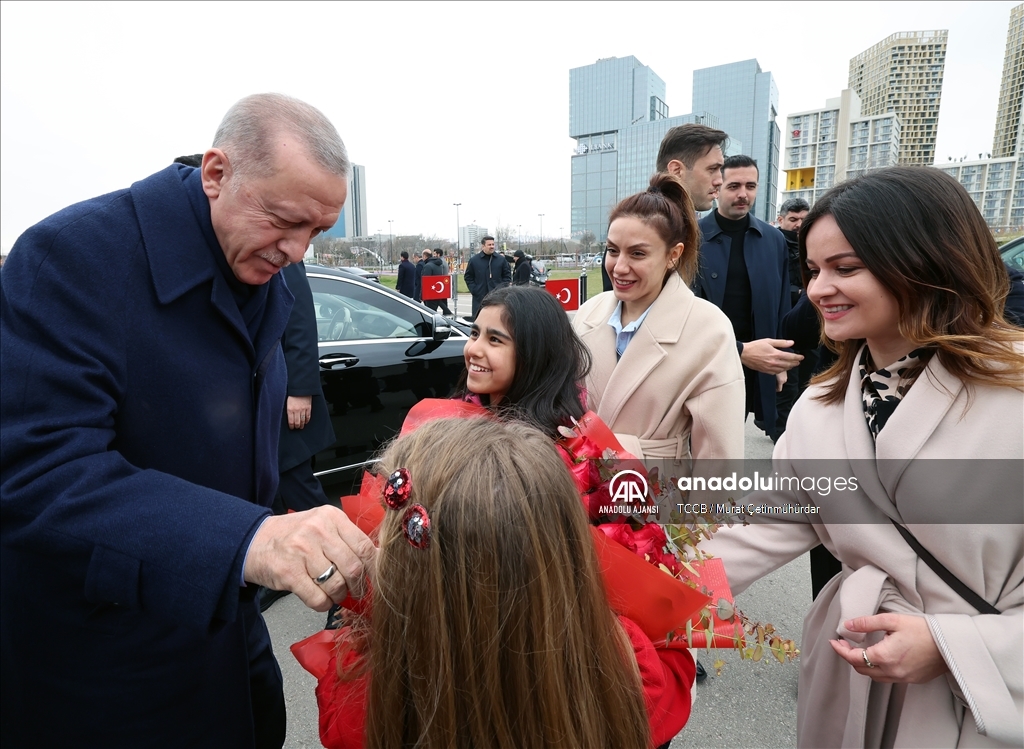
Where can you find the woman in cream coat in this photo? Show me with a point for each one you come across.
(672, 379)
(929, 377)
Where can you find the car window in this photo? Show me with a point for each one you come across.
(350, 311)
(1014, 255)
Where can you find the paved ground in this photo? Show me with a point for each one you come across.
(749, 705)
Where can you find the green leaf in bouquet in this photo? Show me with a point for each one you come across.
(718, 665)
(758, 653)
(726, 610)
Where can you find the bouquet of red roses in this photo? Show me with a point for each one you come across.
(594, 456)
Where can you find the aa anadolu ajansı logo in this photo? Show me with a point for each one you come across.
(628, 486)
(629, 495)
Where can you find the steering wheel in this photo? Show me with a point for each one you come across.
(339, 325)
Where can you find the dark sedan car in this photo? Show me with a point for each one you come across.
(380, 353)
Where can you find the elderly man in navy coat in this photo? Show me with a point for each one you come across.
(744, 270)
(143, 389)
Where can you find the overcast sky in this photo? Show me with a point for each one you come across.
(441, 102)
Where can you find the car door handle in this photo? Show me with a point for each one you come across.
(330, 361)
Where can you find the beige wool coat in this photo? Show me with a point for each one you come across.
(679, 383)
(980, 701)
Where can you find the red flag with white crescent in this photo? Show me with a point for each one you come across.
(436, 287)
(566, 291)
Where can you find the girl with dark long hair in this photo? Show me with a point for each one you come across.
(524, 361)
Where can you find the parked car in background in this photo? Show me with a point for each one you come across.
(366, 275)
(1013, 253)
(380, 353)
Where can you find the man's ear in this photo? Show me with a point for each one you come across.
(676, 167)
(216, 171)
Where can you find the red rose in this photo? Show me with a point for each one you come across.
(651, 541)
(621, 533)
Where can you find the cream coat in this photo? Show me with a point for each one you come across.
(679, 383)
(979, 702)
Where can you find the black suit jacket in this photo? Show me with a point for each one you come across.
(301, 355)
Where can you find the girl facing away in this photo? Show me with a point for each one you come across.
(488, 624)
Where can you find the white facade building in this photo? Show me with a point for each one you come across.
(824, 147)
(470, 236)
(996, 186)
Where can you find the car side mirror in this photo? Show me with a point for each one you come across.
(442, 328)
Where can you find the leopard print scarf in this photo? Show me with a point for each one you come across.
(883, 389)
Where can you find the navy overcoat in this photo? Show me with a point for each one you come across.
(138, 458)
(767, 259)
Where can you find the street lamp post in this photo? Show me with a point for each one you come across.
(519, 231)
(541, 234)
(391, 241)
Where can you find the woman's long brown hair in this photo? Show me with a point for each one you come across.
(499, 634)
(920, 234)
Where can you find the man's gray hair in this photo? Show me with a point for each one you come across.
(246, 132)
(794, 205)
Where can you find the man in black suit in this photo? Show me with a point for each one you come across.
(406, 277)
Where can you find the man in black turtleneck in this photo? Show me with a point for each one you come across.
(744, 271)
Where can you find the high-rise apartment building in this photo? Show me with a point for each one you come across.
(746, 102)
(903, 74)
(618, 116)
(470, 236)
(826, 146)
(1007, 141)
(996, 186)
(352, 221)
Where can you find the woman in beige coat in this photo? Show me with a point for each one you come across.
(924, 410)
(666, 375)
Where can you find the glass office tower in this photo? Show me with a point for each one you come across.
(746, 102)
(618, 116)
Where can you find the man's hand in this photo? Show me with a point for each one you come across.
(289, 551)
(780, 381)
(299, 408)
(766, 355)
(907, 654)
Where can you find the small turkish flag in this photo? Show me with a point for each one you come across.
(567, 292)
(437, 287)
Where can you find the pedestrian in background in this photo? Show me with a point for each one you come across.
(435, 266)
(418, 275)
(406, 283)
(486, 271)
(744, 271)
(522, 269)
